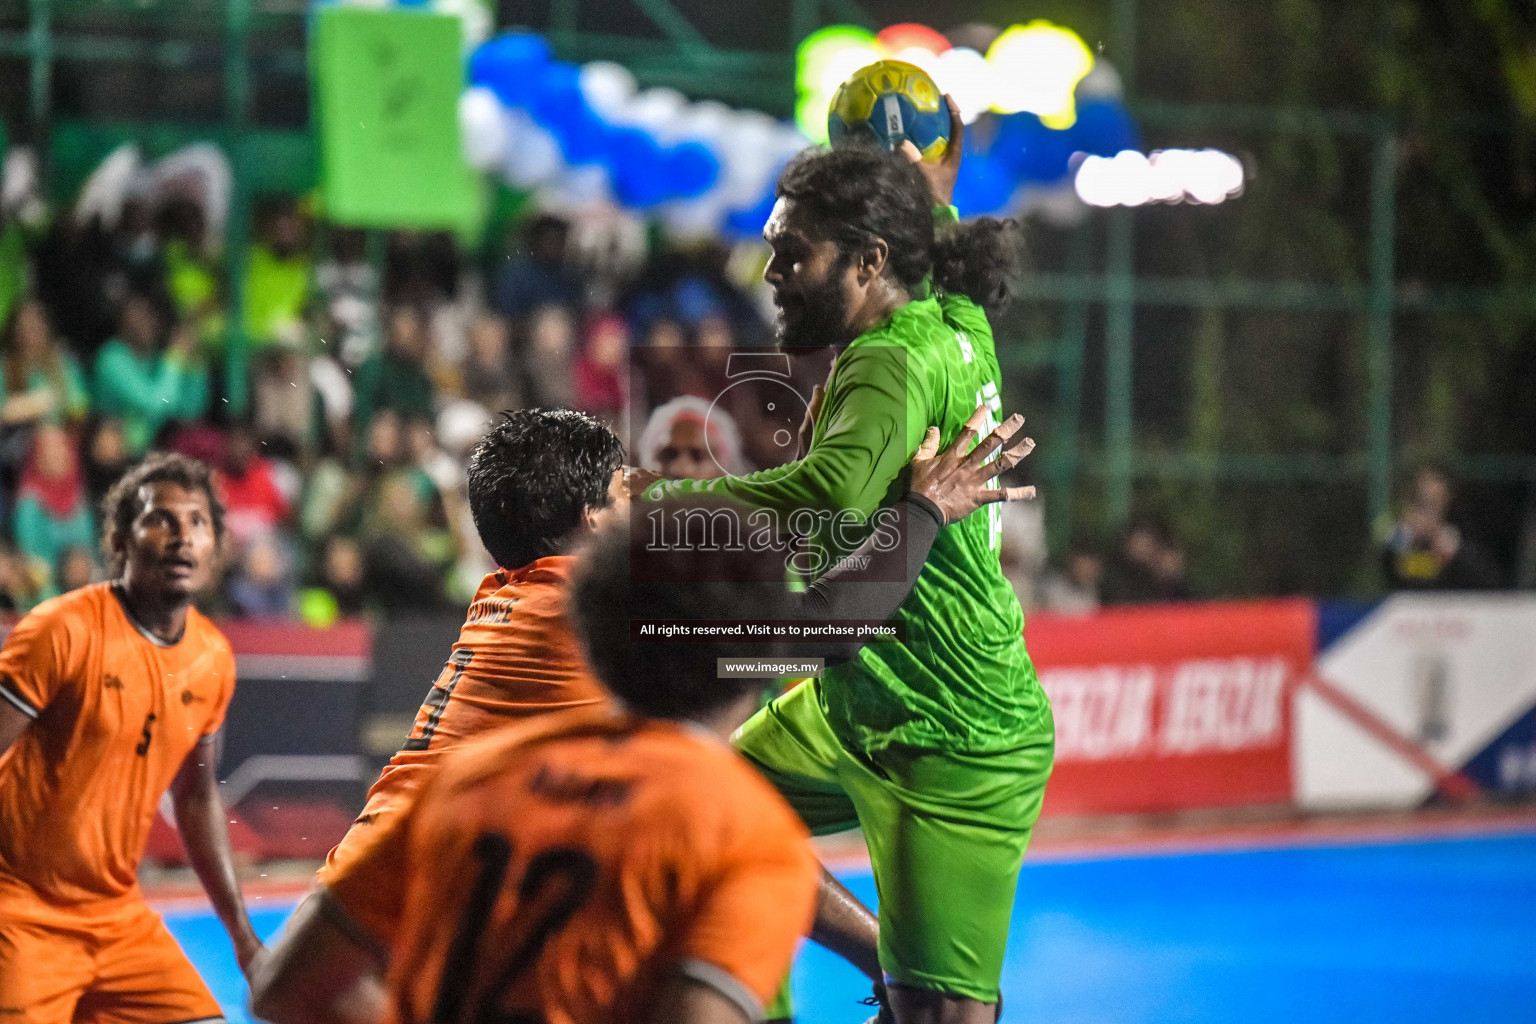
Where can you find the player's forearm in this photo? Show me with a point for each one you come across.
(200, 820)
(814, 482)
(873, 581)
(847, 927)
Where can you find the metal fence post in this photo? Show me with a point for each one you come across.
(1119, 333)
(40, 54)
(1061, 468)
(1120, 308)
(1379, 322)
(237, 90)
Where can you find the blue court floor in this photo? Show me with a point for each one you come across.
(1435, 931)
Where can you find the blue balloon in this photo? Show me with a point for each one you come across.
(557, 104)
(1031, 151)
(748, 223)
(635, 164)
(584, 137)
(1103, 128)
(690, 169)
(983, 186)
(555, 96)
(509, 65)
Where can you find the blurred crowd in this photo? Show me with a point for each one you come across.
(371, 373)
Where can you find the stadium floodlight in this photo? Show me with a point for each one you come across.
(1129, 178)
(1036, 68)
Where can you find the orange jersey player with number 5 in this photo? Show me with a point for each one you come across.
(109, 695)
(538, 481)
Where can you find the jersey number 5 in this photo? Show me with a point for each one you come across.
(143, 748)
(556, 884)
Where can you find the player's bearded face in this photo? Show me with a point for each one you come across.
(808, 276)
(816, 315)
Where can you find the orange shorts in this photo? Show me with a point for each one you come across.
(124, 969)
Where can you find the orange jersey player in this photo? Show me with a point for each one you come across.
(614, 865)
(109, 695)
(622, 864)
(538, 482)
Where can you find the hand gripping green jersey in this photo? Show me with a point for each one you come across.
(962, 680)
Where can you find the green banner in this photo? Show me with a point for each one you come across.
(387, 84)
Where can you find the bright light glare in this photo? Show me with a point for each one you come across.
(1036, 67)
(918, 57)
(1128, 178)
(842, 66)
(824, 60)
(910, 36)
(965, 75)
(821, 47)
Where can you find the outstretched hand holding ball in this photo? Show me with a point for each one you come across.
(941, 173)
(897, 106)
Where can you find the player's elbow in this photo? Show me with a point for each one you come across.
(316, 975)
(268, 988)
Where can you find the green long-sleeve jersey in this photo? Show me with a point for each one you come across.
(961, 681)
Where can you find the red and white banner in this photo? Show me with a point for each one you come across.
(1170, 708)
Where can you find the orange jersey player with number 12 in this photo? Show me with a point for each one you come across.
(109, 695)
(538, 481)
(624, 865)
(621, 864)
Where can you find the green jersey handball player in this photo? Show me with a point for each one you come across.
(939, 747)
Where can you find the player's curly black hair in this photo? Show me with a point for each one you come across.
(533, 475)
(124, 500)
(863, 193)
(625, 577)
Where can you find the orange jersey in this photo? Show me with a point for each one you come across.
(564, 869)
(115, 713)
(516, 657)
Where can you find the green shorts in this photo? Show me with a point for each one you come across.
(946, 834)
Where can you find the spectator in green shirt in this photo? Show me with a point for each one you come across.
(277, 278)
(13, 264)
(39, 380)
(52, 513)
(192, 273)
(145, 385)
(396, 378)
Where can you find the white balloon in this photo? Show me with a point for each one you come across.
(707, 121)
(482, 129)
(692, 219)
(474, 19)
(532, 153)
(608, 88)
(582, 186)
(660, 112)
(743, 179)
(788, 141)
(747, 134)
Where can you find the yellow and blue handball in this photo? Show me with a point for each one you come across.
(887, 103)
